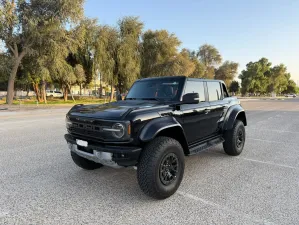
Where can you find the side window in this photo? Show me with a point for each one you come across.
(214, 91)
(196, 87)
(225, 93)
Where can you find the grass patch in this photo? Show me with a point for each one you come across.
(58, 101)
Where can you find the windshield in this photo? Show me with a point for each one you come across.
(156, 89)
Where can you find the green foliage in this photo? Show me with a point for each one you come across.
(234, 87)
(128, 56)
(158, 51)
(261, 77)
(291, 88)
(227, 72)
(106, 53)
(210, 57)
(39, 49)
(79, 73)
(26, 25)
(255, 77)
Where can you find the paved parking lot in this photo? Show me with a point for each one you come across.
(39, 183)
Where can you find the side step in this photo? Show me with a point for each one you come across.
(201, 146)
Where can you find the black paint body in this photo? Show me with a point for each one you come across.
(190, 124)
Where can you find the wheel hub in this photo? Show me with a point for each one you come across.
(240, 138)
(168, 168)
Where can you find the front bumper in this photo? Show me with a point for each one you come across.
(111, 155)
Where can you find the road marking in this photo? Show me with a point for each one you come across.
(279, 131)
(256, 139)
(31, 115)
(270, 163)
(32, 121)
(221, 207)
(258, 161)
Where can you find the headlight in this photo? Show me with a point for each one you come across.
(117, 130)
(68, 122)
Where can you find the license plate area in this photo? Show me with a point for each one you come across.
(82, 143)
(84, 149)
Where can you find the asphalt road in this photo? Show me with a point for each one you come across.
(39, 183)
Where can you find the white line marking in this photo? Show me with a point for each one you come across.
(270, 163)
(279, 131)
(231, 211)
(258, 161)
(256, 139)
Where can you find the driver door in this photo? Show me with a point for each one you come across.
(195, 116)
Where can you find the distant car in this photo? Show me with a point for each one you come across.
(56, 94)
(291, 95)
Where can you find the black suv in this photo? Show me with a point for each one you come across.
(160, 121)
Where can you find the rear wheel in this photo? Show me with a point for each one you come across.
(84, 163)
(161, 167)
(234, 139)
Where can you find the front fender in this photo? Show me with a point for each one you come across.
(232, 114)
(152, 128)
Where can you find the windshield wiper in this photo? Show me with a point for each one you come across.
(155, 99)
(131, 98)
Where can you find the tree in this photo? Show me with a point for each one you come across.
(128, 55)
(227, 72)
(86, 33)
(278, 79)
(80, 76)
(210, 57)
(158, 48)
(24, 23)
(234, 87)
(106, 55)
(199, 67)
(178, 65)
(291, 88)
(255, 77)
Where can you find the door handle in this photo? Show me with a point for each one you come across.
(207, 111)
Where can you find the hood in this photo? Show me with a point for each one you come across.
(114, 110)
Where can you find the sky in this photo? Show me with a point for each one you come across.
(242, 30)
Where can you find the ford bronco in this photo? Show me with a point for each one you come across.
(160, 121)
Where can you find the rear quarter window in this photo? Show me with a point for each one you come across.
(214, 90)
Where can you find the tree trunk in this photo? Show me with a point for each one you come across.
(65, 94)
(12, 76)
(80, 89)
(11, 82)
(101, 88)
(111, 94)
(70, 88)
(44, 91)
(37, 92)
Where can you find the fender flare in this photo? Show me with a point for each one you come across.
(231, 116)
(155, 126)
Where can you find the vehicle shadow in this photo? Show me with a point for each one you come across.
(120, 185)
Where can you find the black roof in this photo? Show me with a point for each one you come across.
(191, 79)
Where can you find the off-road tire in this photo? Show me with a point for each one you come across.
(84, 163)
(149, 167)
(231, 137)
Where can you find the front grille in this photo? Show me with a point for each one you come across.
(90, 133)
(92, 129)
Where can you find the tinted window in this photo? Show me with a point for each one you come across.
(164, 88)
(196, 87)
(214, 91)
(225, 93)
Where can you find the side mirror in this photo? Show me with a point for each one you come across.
(191, 98)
